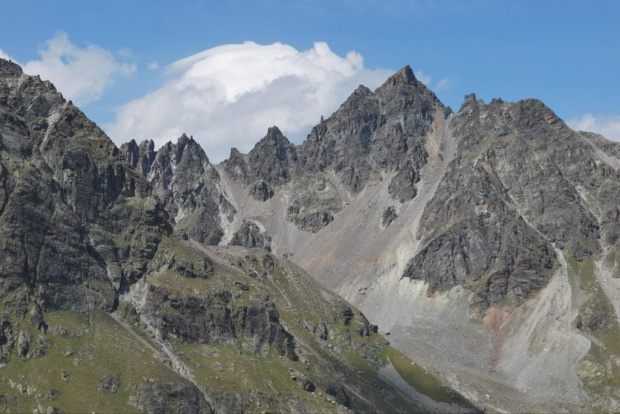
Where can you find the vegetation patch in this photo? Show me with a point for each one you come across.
(89, 353)
(596, 315)
(599, 370)
(423, 381)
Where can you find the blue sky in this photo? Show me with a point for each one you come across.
(566, 53)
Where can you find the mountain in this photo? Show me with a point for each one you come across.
(483, 244)
(115, 297)
(484, 241)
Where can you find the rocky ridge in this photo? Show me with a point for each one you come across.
(485, 242)
(110, 284)
(404, 208)
(371, 134)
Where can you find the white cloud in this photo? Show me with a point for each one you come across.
(3, 55)
(153, 65)
(229, 95)
(425, 79)
(445, 84)
(81, 74)
(606, 125)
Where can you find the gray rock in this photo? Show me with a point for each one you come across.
(161, 398)
(182, 177)
(388, 216)
(261, 191)
(250, 235)
(272, 158)
(311, 221)
(212, 318)
(302, 380)
(24, 341)
(53, 410)
(53, 394)
(236, 166)
(111, 384)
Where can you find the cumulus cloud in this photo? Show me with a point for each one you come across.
(229, 95)
(81, 74)
(606, 125)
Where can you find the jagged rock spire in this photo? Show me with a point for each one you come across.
(404, 76)
(9, 68)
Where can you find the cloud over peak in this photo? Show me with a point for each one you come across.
(606, 125)
(3, 55)
(229, 95)
(81, 74)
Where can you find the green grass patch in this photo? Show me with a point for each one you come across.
(599, 370)
(103, 349)
(175, 282)
(596, 316)
(227, 370)
(422, 381)
(181, 249)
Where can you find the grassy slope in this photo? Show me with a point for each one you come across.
(425, 383)
(104, 349)
(600, 368)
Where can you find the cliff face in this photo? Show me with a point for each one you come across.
(372, 134)
(61, 177)
(114, 296)
(181, 176)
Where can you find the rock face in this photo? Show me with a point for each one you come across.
(250, 235)
(158, 397)
(499, 211)
(474, 237)
(376, 131)
(371, 134)
(182, 177)
(111, 284)
(388, 216)
(499, 207)
(59, 174)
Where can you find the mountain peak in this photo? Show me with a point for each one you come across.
(235, 153)
(9, 68)
(274, 131)
(404, 76)
(184, 139)
(469, 99)
(275, 137)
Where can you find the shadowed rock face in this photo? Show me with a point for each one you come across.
(272, 158)
(141, 157)
(376, 131)
(60, 176)
(483, 244)
(519, 187)
(160, 397)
